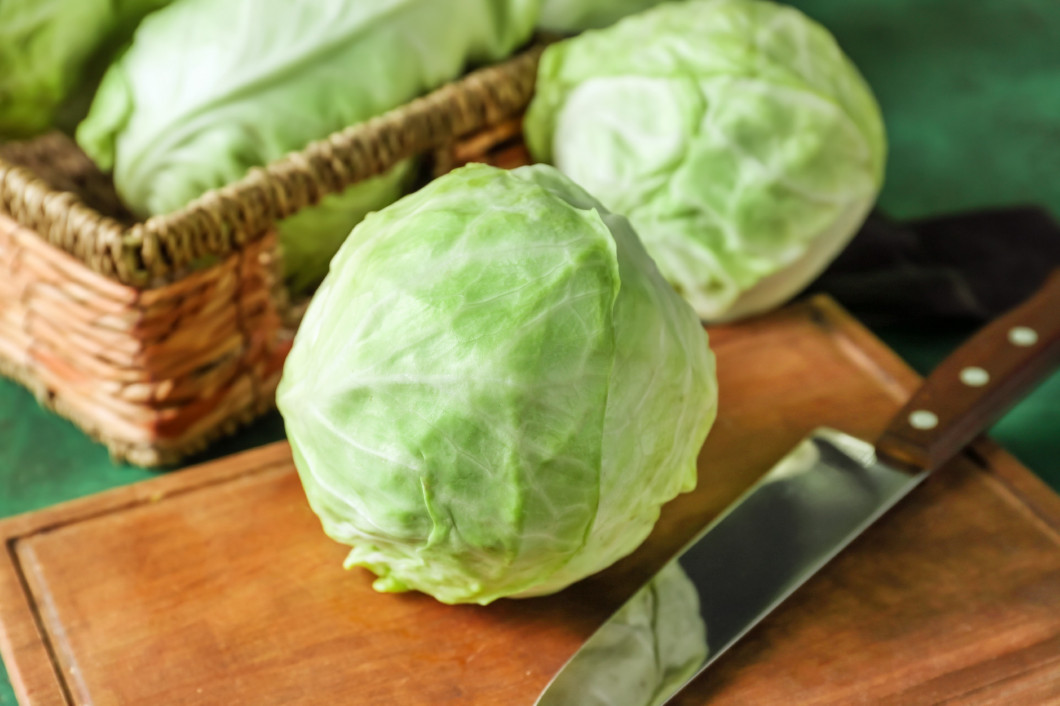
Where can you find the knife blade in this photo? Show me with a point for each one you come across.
(800, 514)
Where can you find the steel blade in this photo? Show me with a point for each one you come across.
(769, 542)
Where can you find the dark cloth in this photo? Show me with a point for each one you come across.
(960, 269)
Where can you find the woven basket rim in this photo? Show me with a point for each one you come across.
(160, 249)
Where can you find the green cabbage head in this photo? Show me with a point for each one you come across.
(211, 88)
(737, 137)
(494, 391)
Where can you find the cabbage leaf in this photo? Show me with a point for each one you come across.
(209, 89)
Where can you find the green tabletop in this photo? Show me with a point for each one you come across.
(971, 97)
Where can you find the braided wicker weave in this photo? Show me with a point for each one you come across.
(108, 322)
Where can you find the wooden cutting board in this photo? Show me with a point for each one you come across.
(215, 585)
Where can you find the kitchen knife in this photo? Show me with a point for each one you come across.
(800, 514)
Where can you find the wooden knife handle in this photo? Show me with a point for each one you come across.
(977, 383)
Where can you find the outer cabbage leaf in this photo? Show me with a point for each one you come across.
(209, 89)
(493, 391)
(52, 54)
(579, 15)
(735, 134)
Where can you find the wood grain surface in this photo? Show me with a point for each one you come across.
(215, 585)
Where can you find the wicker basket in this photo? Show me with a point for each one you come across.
(107, 321)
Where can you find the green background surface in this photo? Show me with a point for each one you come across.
(970, 92)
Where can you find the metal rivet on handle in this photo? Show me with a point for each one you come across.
(973, 376)
(923, 419)
(1022, 336)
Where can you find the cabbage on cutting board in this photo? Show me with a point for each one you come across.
(494, 391)
(209, 89)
